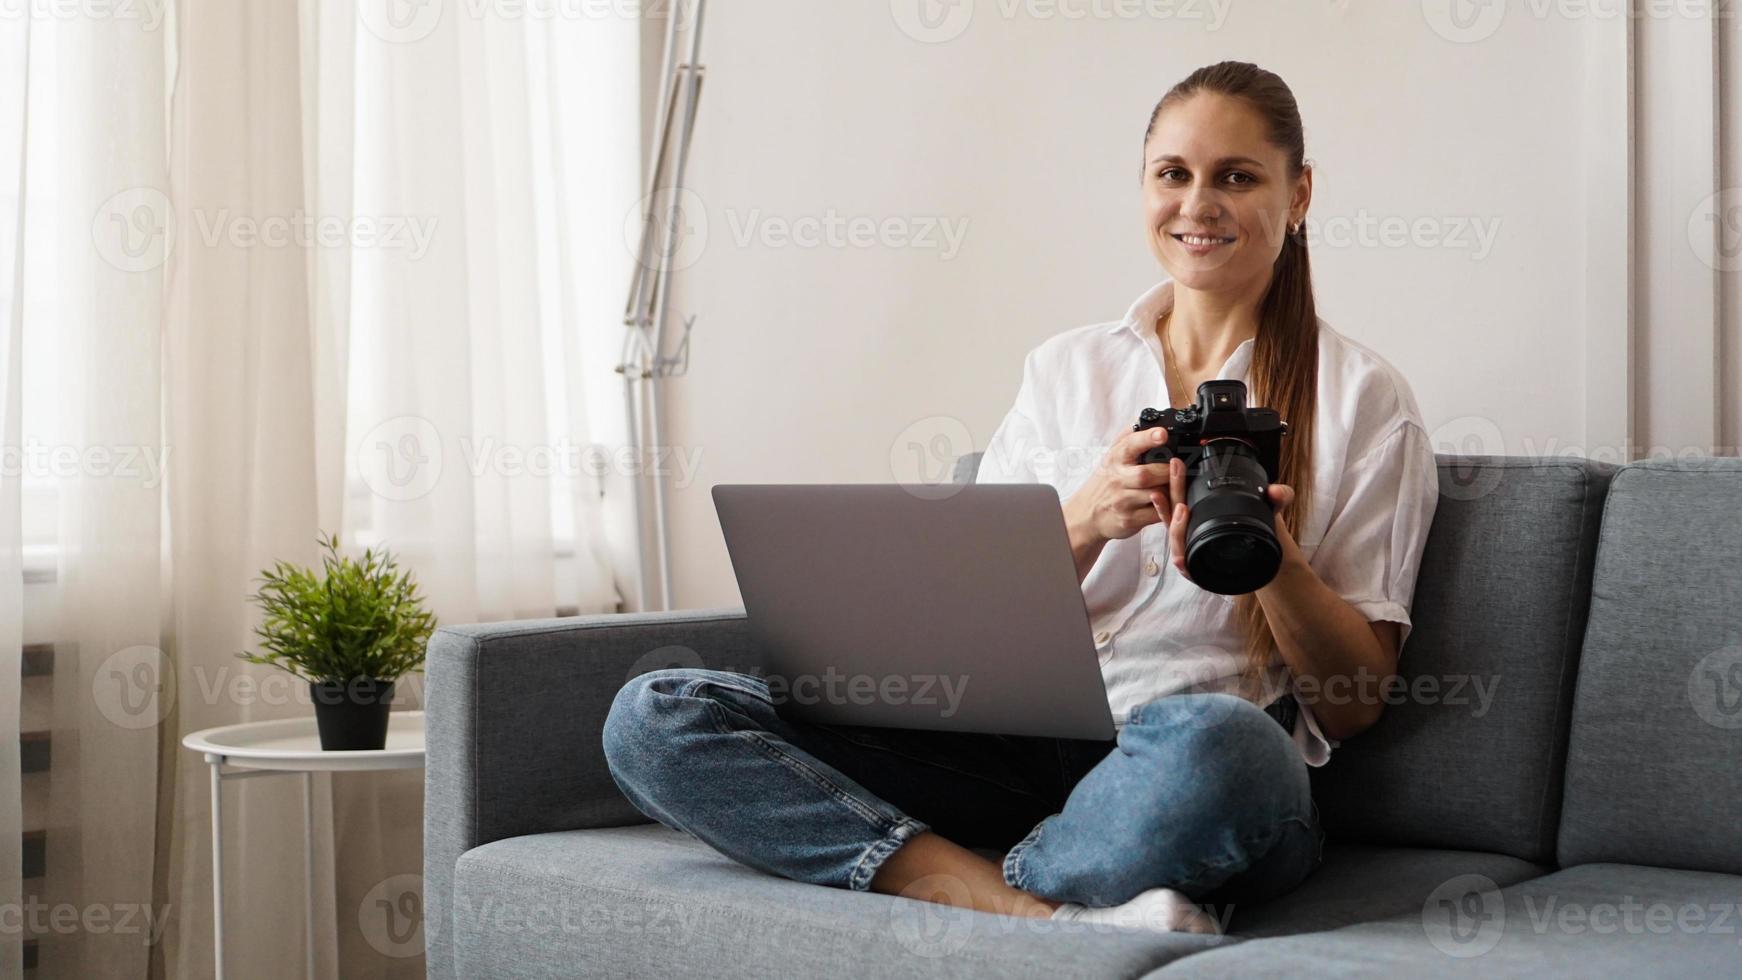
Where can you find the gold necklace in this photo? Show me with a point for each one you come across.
(1172, 362)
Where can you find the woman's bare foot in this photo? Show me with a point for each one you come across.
(932, 869)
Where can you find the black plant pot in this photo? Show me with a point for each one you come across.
(352, 714)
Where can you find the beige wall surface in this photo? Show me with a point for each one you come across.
(894, 200)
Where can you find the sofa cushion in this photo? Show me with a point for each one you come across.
(650, 901)
(1654, 774)
(1474, 761)
(1361, 883)
(1597, 920)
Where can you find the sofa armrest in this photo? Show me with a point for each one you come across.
(514, 713)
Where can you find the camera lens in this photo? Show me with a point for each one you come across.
(1231, 545)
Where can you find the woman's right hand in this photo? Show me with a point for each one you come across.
(1121, 497)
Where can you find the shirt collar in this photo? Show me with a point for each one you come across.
(1158, 299)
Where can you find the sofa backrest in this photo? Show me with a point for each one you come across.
(1654, 769)
(1469, 754)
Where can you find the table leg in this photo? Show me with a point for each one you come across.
(308, 869)
(217, 763)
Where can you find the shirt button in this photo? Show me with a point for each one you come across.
(1150, 567)
(1102, 637)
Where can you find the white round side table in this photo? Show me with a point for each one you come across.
(279, 748)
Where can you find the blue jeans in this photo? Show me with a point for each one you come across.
(1203, 793)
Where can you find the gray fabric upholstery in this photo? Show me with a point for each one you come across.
(648, 901)
(1655, 771)
(536, 866)
(514, 716)
(965, 468)
(1500, 601)
(1596, 920)
(1362, 883)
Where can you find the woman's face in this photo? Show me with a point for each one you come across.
(1210, 171)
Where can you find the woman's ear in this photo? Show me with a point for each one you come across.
(1303, 197)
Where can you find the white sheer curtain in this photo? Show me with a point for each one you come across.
(329, 274)
(13, 73)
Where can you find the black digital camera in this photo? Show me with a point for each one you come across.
(1231, 455)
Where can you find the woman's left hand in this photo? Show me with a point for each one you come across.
(1281, 495)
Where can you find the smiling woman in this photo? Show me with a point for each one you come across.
(1204, 796)
(1226, 189)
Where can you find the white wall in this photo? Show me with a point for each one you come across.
(823, 364)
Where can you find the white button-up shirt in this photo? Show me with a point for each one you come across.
(1158, 633)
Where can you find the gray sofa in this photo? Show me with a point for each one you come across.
(1559, 792)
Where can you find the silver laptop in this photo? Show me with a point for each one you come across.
(953, 608)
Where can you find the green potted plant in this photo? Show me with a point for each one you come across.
(350, 633)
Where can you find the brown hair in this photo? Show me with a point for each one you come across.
(1285, 354)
